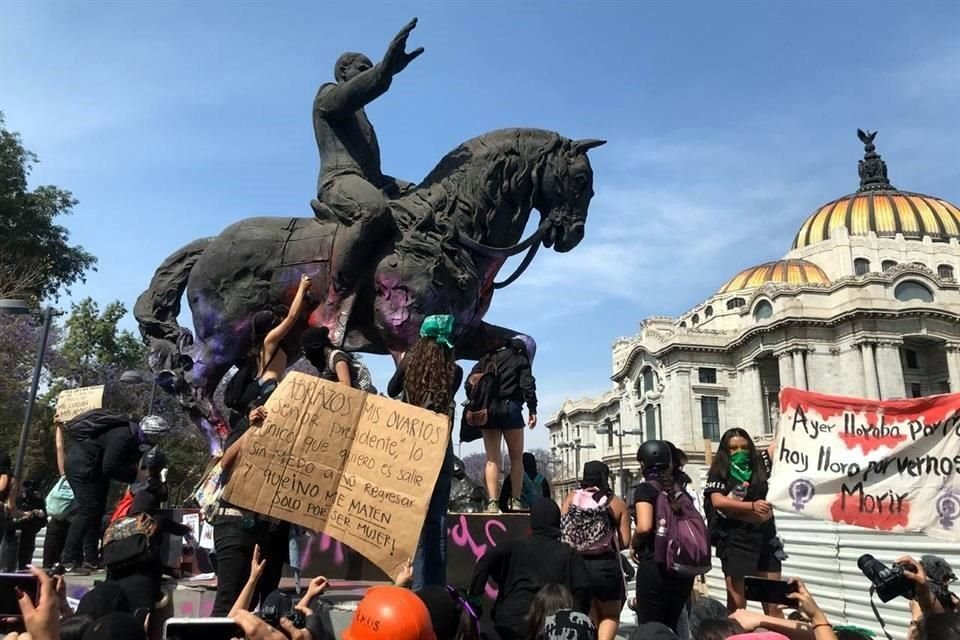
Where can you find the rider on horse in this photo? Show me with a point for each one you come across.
(351, 188)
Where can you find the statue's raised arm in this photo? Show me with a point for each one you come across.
(359, 82)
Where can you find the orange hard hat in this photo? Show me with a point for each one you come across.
(390, 613)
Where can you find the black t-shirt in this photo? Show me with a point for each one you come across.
(643, 547)
(330, 371)
(717, 484)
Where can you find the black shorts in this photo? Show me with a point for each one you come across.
(606, 577)
(748, 551)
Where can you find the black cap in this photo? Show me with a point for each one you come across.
(654, 453)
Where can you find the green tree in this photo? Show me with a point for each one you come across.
(36, 257)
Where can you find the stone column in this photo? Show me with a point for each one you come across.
(890, 371)
(871, 389)
(953, 366)
(785, 365)
(684, 398)
(799, 370)
(751, 399)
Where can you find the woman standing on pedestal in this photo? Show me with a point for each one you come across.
(428, 376)
(511, 366)
(740, 518)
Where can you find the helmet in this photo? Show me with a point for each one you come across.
(153, 427)
(390, 613)
(654, 453)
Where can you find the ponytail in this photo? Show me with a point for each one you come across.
(664, 476)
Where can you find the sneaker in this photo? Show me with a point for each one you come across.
(94, 567)
(516, 505)
(492, 507)
(76, 570)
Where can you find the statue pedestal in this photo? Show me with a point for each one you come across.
(469, 535)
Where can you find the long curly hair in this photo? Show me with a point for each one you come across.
(430, 372)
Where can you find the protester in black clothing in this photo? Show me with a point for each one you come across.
(105, 446)
(428, 377)
(535, 486)
(332, 364)
(740, 518)
(516, 385)
(521, 567)
(6, 484)
(20, 538)
(603, 560)
(236, 533)
(141, 582)
(661, 595)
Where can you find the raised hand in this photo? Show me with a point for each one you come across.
(397, 58)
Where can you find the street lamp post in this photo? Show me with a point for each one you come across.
(619, 433)
(20, 307)
(137, 377)
(576, 447)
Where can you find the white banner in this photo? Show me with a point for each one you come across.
(891, 466)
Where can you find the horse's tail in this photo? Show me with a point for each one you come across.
(157, 308)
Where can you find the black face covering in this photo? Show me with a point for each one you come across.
(545, 519)
(530, 465)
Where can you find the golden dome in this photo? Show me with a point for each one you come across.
(788, 271)
(880, 208)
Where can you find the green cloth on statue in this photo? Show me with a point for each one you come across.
(440, 328)
(740, 469)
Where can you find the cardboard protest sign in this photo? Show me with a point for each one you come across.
(73, 402)
(891, 465)
(358, 467)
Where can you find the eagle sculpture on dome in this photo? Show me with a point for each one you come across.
(866, 137)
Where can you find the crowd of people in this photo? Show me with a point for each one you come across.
(566, 580)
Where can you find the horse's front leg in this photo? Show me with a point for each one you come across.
(484, 339)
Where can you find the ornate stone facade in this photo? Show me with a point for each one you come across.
(884, 325)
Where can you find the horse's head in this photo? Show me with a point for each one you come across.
(564, 192)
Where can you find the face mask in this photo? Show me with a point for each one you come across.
(740, 469)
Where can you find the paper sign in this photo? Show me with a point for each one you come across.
(206, 536)
(73, 402)
(890, 466)
(192, 520)
(358, 467)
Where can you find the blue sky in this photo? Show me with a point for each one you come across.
(727, 124)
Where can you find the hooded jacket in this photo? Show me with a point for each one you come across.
(522, 566)
(103, 445)
(514, 376)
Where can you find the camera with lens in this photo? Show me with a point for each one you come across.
(888, 582)
(278, 606)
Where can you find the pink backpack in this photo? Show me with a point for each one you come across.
(587, 526)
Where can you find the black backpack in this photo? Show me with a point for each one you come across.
(483, 392)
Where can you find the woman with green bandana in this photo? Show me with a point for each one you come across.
(428, 376)
(741, 521)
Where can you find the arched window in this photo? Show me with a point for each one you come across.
(945, 271)
(762, 310)
(708, 312)
(648, 380)
(861, 266)
(909, 290)
(735, 303)
(695, 320)
(886, 265)
(683, 325)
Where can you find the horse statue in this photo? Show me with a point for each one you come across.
(454, 231)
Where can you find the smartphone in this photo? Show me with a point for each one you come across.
(201, 629)
(769, 591)
(9, 608)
